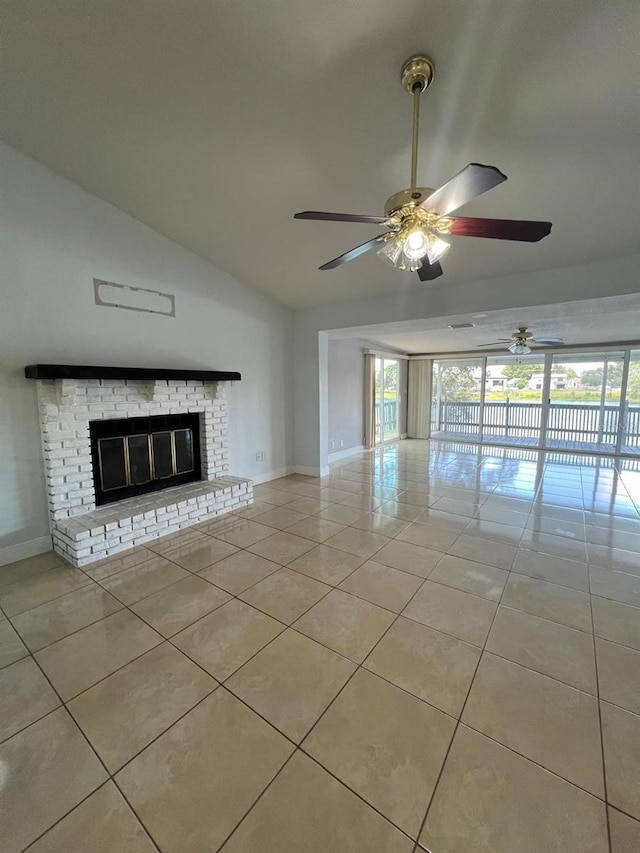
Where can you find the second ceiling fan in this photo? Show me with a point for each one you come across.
(419, 217)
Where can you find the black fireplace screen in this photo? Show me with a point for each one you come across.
(138, 455)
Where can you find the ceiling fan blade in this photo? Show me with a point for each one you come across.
(339, 217)
(547, 341)
(352, 253)
(471, 182)
(495, 343)
(428, 272)
(500, 229)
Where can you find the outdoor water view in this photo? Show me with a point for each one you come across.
(575, 402)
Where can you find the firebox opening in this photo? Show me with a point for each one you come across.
(133, 456)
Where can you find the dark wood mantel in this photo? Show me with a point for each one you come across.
(78, 371)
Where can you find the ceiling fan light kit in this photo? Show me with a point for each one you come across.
(418, 218)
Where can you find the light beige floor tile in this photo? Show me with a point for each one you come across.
(386, 745)
(346, 624)
(438, 536)
(243, 532)
(452, 611)
(197, 555)
(558, 546)
(615, 585)
(547, 647)
(617, 622)
(276, 497)
(23, 569)
(103, 822)
(281, 517)
(505, 533)
(291, 682)
(478, 578)
(549, 722)
(619, 675)
(364, 501)
(490, 800)
(621, 742)
(549, 601)
(375, 522)
(400, 511)
(225, 639)
(327, 564)
(503, 516)
(143, 580)
(11, 646)
(627, 540)
(316, 814)
(556, 526)
(188, 536)
(625, 832)
(33, 591)
(455, 506)
(119, 562)
(239, 572)
(382, 585)
(193, 784)
(342, 514)
(409, 558)
(55, 619)
(127, 710)
(79, 660)
(559, 513)
(25, 696)
(173, 608)
(282, 548)
(501, 502)
(285, 595)
(48, 769)
(307, 506)
(358, 542)
(427, 663)
(498, 554)
(318, 529)
(615, 558)
(553, 569)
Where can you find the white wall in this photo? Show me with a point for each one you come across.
(311, 326)
(54, 238)
(346, 394)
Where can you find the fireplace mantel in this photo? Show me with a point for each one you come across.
(78, 371)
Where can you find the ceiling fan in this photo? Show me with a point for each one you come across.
(418, 217)
(519, 342)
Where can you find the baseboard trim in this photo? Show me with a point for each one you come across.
(23, 550)
(310, 472)
(343, 454)
(273, 475)
(404, 436)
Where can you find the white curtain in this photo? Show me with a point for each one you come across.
(419, 398)
(369, 400)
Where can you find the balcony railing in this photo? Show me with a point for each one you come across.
(569, 422)
(386, 416)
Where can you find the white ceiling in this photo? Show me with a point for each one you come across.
(590, 321)
(214, 122)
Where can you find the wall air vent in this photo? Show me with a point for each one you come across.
(462, 325)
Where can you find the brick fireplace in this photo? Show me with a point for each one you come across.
(74, 399)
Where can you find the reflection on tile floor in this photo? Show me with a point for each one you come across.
(434, 648)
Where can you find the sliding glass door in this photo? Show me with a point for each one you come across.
(457, 398)
(584, 401)
(387, 424)
(587, 401)
(512, 412)
(630, 413)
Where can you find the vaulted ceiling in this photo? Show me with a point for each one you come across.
(214, 122)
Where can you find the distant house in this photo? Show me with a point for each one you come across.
(559, 381)
(495, 383)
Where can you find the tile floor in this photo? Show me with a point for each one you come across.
(434, 648)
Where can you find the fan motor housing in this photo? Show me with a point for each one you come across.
(406, 197)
